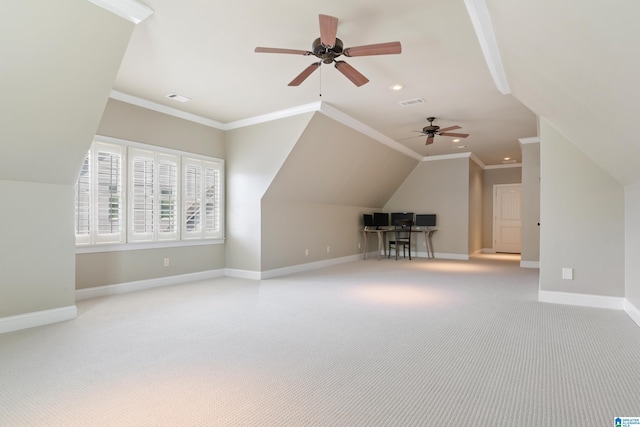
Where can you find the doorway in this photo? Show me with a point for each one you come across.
(507, 218)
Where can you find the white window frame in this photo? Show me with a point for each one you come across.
(128, 237)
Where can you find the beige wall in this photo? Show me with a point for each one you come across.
(254, 156)
(440, 187)
(108, 268)
(36, 250)
(132, 123)
(494, 176)
(582, 220)
(476, 180)
(530, 204)
(632, 244)
(321, 191)
(57, 69)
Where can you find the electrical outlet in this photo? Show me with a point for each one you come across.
(358, 245)
(166, 262)
(567, 273)
(328, 249)
(306, 252)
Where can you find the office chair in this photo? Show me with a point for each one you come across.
(402, 237)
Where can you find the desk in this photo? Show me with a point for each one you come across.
(382, 241)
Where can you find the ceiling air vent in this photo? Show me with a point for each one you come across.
(178, 98)
(411, 102)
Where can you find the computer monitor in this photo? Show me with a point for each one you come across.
(425, 220)
(368, 220)
(381, 219)
(397, 217)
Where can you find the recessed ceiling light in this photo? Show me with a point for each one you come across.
(177, 97)
(456, 140)
(462, 146)
(507, 158)
(396, 87)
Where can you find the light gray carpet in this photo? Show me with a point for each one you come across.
(369, 343)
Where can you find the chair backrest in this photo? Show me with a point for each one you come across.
(403, 229)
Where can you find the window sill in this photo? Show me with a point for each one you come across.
(117, 247)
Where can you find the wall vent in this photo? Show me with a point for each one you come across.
(411, 102)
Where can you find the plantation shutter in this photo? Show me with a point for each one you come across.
(141, 195)
(168, 218)
(153, 196)
(137, 194)
(83, 202)
(192, 199)
(108, 178)
(201, 203)
(212, 200)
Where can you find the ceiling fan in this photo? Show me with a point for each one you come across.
(328, 47)
(432, 130)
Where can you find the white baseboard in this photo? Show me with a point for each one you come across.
(121, 288)
(586, 300)
(442, 255)
(530, 264)
(37, 318)
(269, 274)
(242, 274)
(632, 311)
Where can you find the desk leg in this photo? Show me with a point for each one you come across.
(380, 245)
(429, 244)
(364, 233)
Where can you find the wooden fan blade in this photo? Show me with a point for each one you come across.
(457, 135)
(277, 50)
(328, 30)
(303, 75)
(389, 48)
(429, 141)
(450, 128)
(351, 73)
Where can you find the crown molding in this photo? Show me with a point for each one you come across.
(531, 140)
(150, 105)
(466, 154)
(131, 10)
(481, 20)
(288, 112)
(505, 166)
(349, 121)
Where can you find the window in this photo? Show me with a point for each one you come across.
(131, 192)
(99, 196)
(153, 189)
(201, 201)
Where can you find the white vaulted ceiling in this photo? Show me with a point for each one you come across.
(574, 63)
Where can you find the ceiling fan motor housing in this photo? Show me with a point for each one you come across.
(325, 53)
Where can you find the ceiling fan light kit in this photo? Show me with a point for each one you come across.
(328, 47)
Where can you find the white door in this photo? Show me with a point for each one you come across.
(507, 220)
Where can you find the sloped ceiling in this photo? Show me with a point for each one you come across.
(59, 61)
(576, 63)
(334, 164)
(204, 50)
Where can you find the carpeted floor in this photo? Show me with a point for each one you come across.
(368, 343)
